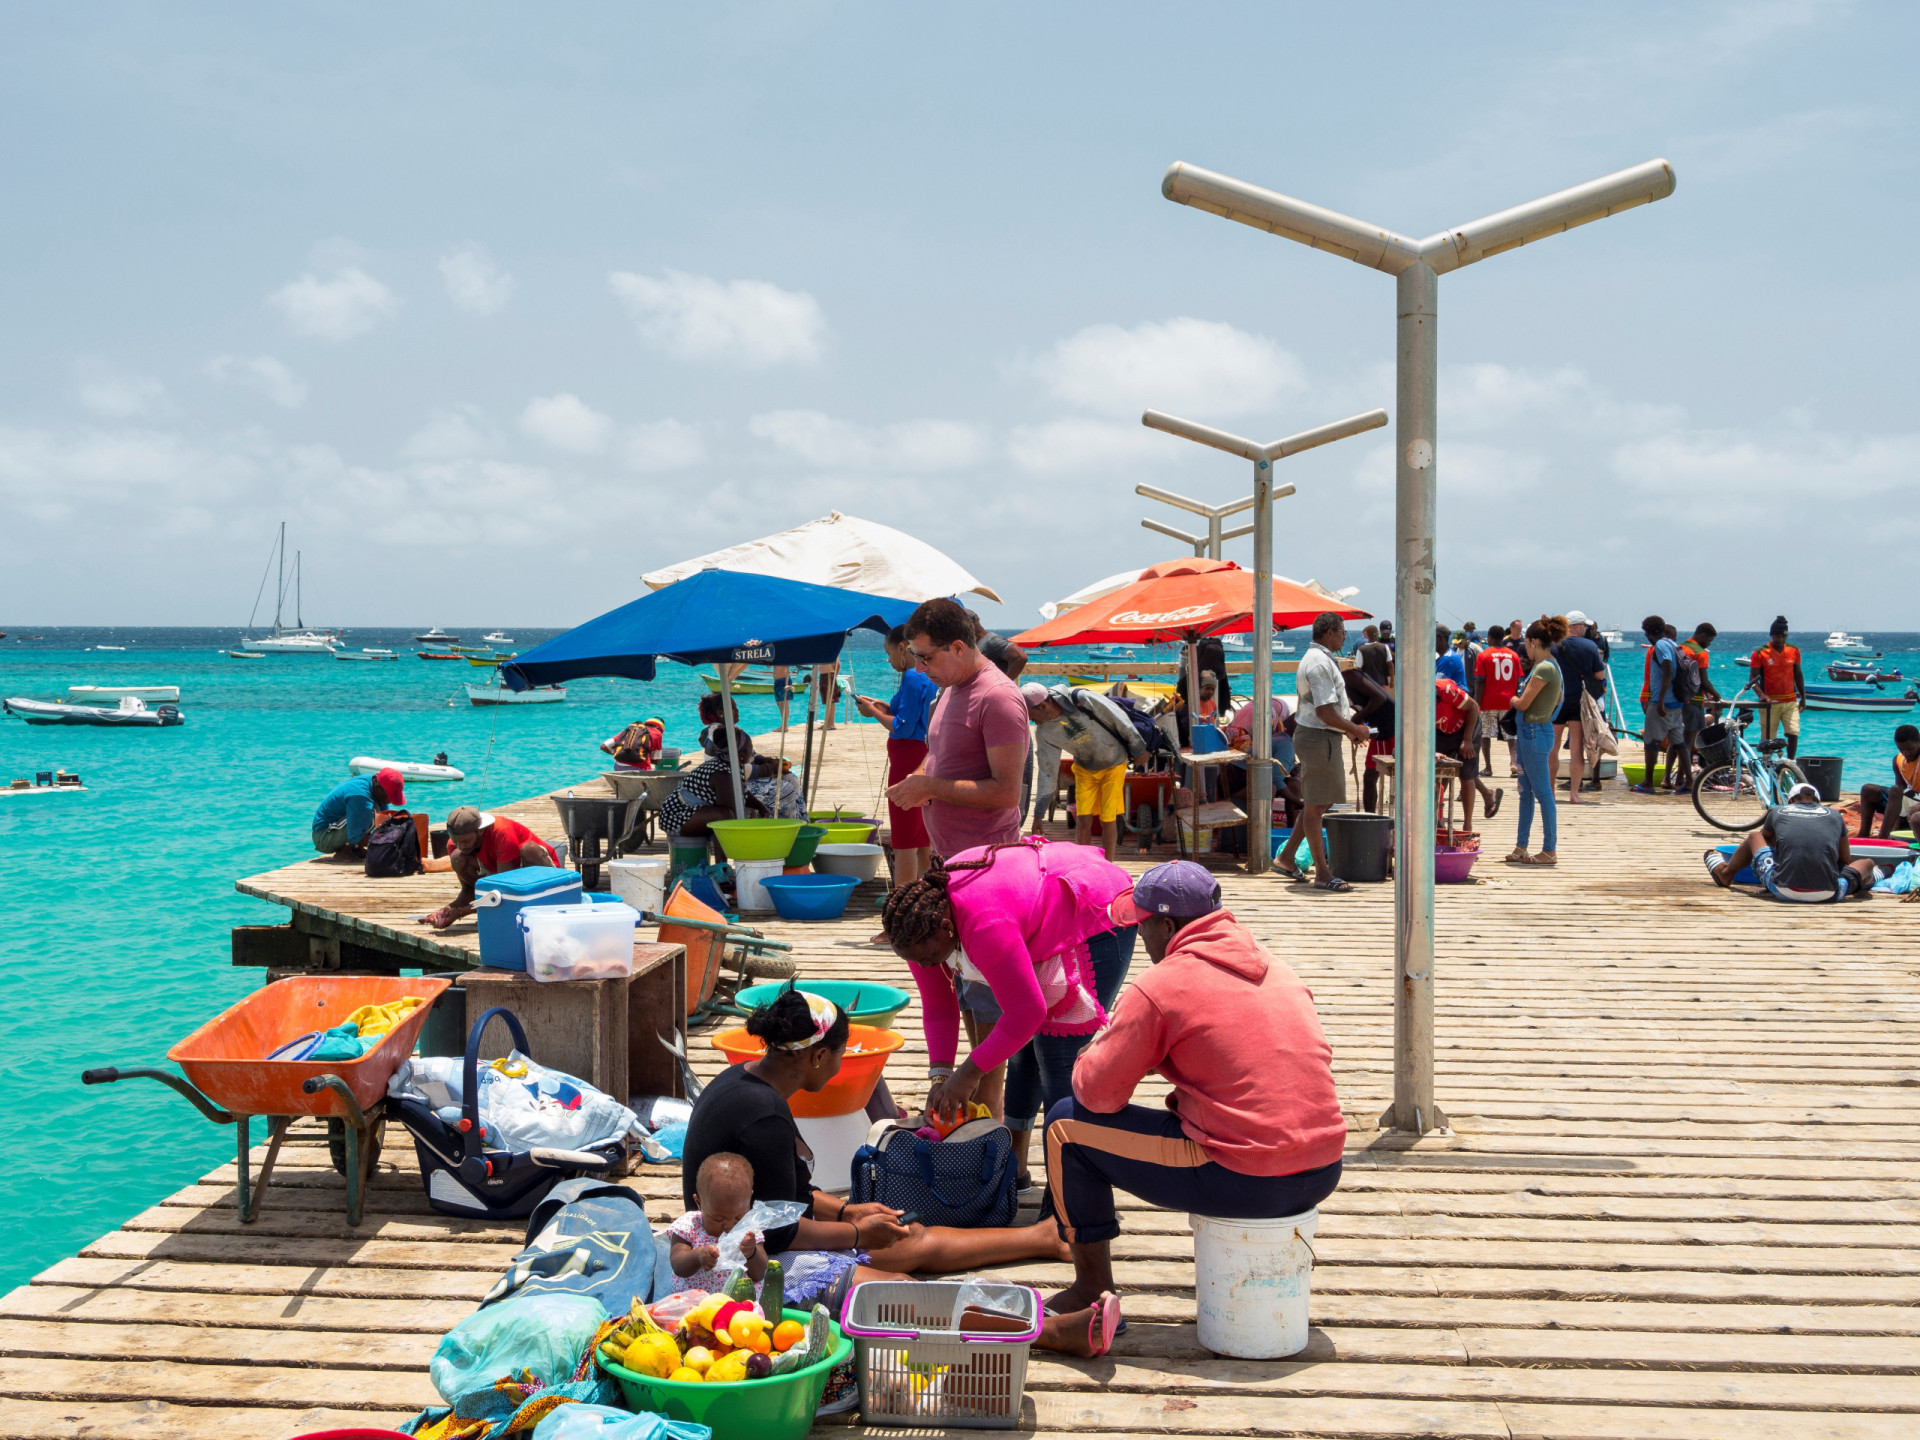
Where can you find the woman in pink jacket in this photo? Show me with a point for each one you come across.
(1029, 921)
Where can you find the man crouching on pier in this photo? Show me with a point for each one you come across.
(479, 845)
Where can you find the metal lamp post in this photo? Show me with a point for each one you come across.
(1260, 758)
(1417, 266)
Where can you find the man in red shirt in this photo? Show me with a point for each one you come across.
(1456, 723)
(1495, 681)
(1778, 681)
(483, 844)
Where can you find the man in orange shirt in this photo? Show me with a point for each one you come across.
(1777, 680)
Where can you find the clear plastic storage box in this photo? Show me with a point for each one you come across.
(579, 942)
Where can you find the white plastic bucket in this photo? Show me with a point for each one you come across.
(641, 882)
(747, 875)
(1253, 1280)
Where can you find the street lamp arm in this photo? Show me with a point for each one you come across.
(1549, 215)
(1167, 497)
(1202, 435)
(1368, 245)
(1168, 530)
(1325, 434)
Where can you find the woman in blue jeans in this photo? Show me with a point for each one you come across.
(1534, 708)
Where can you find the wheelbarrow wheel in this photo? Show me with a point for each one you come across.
(337, 1144)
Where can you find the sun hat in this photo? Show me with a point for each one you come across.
(1178, 888)
(1577, 617)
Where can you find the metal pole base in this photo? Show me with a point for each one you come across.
(1419, 1123)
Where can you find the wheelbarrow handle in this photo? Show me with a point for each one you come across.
(106, 1075)
(356, 1117)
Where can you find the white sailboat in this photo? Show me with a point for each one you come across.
(299, 640)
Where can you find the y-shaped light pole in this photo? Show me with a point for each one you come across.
(1260, 757)
(1417, 266)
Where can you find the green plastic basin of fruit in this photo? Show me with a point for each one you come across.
(780, 1407)
(756, 839)
(1636, 774)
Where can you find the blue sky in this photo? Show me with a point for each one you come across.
(499, 308)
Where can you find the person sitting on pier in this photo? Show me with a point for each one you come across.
(1252, 1129)
(483, 844)
(706, 791)
(1895, 803)
(1798, 854)
(352, 809)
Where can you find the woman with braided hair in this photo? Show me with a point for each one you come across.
(1028, 921)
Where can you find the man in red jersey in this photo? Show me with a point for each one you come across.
(483, 844)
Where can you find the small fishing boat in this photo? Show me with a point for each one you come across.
(1851, 644)
(471, 649)
(496, 638)
(1110, 652)
(93, 694)
(409, 769)
(1844, 670)
(438, 655)
(747, 682)
(540, 695)
(245, 655)
(380, 652)
(369, 655)
(435, 636)
(106, 647)
(1860, 699)
(130, 713)
(46, 782)
(488, 659)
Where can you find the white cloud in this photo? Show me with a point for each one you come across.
(452, 434)
(261, 373)
(566, 422)
(349, 303)
(749, 323)
(1195, 368)
(474, 282)
(913, 445)
(1061, 446)
(662, 445)
(121, 397)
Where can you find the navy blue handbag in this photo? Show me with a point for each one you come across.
(967, 1183)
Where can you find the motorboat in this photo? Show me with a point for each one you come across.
(1110, 652)
(130, 713)
(438, 655)
(365, 655)
(1850, 644)
(1860, 699)
(539, 695)
(245, 655)
(1240, 647)
(106, 647)
(1616, 640)
(299, 640)
(496, 638)
(92, 694)
(436, 773)
(1846, 670)
(436, 636)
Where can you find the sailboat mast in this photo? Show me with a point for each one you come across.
(280, 588)
(298, 623)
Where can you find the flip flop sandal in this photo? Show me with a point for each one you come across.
(1106, 1314)
(1643, 789)
(1332, 882)
(1493, 805)
(1714, 860)
(1288, 873)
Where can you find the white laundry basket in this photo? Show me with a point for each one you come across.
(1253, 1280)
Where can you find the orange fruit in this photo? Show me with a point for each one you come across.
(787, 1334)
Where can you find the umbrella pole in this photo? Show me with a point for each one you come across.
(806, 776)
(1193, 722)
(780, 776)
(733, 748)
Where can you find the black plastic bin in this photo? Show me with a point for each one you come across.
(1823, 773)
(1359, 846)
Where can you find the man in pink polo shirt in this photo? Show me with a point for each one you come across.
(976, 743)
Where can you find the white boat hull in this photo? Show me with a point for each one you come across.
(88, 694)
(121, 717)
(409, 769)
(488, 695)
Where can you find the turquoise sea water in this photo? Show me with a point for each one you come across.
(114, 931)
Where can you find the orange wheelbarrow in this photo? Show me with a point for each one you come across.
(232, 1075)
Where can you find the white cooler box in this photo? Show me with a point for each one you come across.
(579, 942)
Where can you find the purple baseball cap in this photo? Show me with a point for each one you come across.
(1178, 888)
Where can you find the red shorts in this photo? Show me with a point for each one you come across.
(1377, 746)
(909, 826)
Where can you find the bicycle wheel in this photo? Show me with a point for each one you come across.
(1726, 799)
(1786, 775)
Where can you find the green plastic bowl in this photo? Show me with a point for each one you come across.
(864, 1002)
(1636, 774)
(805, 844)
(779, 1408)
(846, 832)
(755, 839)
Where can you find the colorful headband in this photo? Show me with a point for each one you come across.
(824, 1014)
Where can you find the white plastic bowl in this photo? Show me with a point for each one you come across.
(862, 861)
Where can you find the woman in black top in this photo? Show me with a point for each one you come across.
(831, 1248)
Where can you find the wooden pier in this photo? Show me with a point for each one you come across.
(1681, 1199)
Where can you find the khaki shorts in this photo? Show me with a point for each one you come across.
(1322, 773)
(1100, 793)
(1783, 715)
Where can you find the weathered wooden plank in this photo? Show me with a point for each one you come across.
(126, 1305)
(68, 1419)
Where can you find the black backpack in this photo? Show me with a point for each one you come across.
(1686, 675)
(393, 849)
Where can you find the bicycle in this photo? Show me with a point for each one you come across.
(1736, 793)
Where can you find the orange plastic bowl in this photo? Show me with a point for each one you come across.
(849, 1090)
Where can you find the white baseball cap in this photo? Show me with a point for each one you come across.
(1802, 791)
(1577, 617)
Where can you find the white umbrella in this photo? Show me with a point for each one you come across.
(843, 551)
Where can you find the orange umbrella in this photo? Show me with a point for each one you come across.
(1183, 600)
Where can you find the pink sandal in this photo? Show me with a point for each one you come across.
(1105, 1319)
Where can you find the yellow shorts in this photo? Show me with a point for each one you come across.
(1100, 793)
(1783, 715)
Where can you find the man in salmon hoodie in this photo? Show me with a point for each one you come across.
(1252, 1129)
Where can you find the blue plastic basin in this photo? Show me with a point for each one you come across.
(810, 897)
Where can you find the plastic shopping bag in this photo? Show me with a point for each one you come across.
(764, 1216)
(599, 1422)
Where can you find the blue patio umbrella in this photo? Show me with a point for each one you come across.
(718, 617)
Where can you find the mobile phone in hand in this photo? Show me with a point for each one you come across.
(906, 1218)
